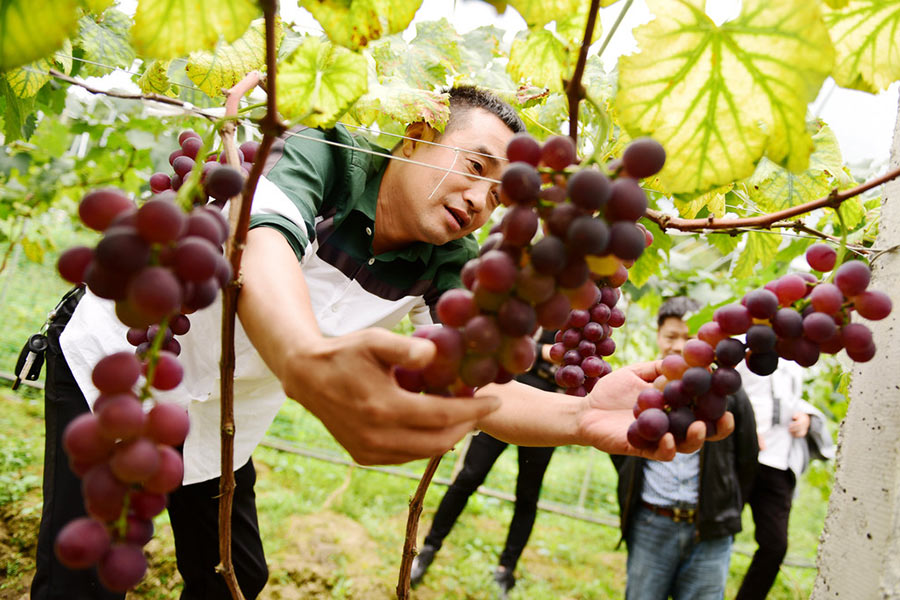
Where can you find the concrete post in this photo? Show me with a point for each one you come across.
(859, 548)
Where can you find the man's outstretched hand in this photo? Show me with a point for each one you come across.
(604, 423)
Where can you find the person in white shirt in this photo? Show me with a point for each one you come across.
(790, 431)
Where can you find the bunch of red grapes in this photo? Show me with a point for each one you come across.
(128, 462)
(158, 264)
(796, 317)
(514, 286)
(219, 184)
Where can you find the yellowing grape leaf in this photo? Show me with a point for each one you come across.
(866, 38)
(214, 71)
(713, 201)
(355, 23)
(98, 6)
(319, 82)
(104, 39)
(720, 97)
(539, 57)
(172, 28)
(403, 104)
(31, 30)
(538, 13)
(426, 61)
(774, 188)
(760, 248)
(155, 79)
(853, 213)
(571, 25)
(26, 81)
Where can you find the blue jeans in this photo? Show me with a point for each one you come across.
(666, 559)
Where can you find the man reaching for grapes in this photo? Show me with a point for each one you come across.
(678, 518)
(343, 244)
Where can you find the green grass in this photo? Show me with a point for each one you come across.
(335, 531)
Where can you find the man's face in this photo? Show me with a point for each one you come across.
(436, 206)
(671, 336)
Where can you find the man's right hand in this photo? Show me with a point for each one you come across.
(347, 382)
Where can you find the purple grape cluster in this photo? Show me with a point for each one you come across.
(513, 286)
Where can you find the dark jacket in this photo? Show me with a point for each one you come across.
(727, 468)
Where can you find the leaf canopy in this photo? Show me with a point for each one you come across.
(319, 82)
(105, 40)
(355, 23)
(720, 97)
(866, 37)
(200, 25)
(33, 30)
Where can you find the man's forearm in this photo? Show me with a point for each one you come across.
(532, 417)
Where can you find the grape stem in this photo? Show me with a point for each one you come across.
(767, 221)
(574, 89)
(153, 358)
(271, 128)
(412, 527)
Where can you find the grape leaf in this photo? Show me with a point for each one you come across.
(720, 97)
(155, 79)
(25, 81)
(538, 13)
(837, 3)
(571, 25)
(760, 248)
(540, 57)
(426, 62)
(32, 30)
(18, 114)
(98, 6)
(774, 188)
(689, 205)
(104, 39)
(355, 23)
(174, 28)
(319, 82)
(867, 44)
(64, 58)
(645, 267)
(853, 213)
(724, 243)
(402, 104)
(213, 71)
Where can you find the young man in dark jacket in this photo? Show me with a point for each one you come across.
(678, 519)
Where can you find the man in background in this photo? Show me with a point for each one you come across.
(678, 518)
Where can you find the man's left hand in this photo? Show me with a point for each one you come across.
(799, 426)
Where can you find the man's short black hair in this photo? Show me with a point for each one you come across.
(469, 96)
(676, 307)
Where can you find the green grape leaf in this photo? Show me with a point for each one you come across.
(853, 213)
(837, 3)
(540, 57)
(105, 40)
(774, 188)
(33, 30)
(646, 266)
(355, 23)
(720, 97)
(173, 28)
(760, 248)
(26, 81)
(214, 71)
(571, 25)
(319, 82)
(98, 6)
(426, 61)
(155, 79)
(867, 44)
(724, 243)
(538, 13)
(18, 114)
(63, 58)
(689, 205)
(402, 104)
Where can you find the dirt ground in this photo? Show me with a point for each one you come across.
(315, 566)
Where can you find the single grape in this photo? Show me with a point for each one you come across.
(481, 334)
(478, 370)
(249, 150)
(182, 166)
(496, 272)
(523, 148)
(572, 357)
(763, 363)
(448, 341)
(635, 438)
(853, 277)
(73, 263)
(516, 317)
(589, 189)
(725, 381)
(191, 147)
(224, 183)
(729, 352)
(734, 319)
(558, 152)
(711, 333)
(674, 395)
(616, 317)
(521, 183)
(863, 354)
(410, 379)
(121, 417)
(625, 240)
(122, 567)
(200, 294)
(650, 398)
(519, 225)
(578, 319)
(826, 298)
(145, 504)
(160, 221)
(873, 305)
(139, 531)
(180, 324)
(455, 307)
(627, 202)
(710, 406)
(698, 353)
(167, 423)
(762, 304)
(805, 352)
(184, 135)
(99, 207)
(570, 376)
(168, 373)
(821, 257)
(787, 323)
(679, 421)
(606, 347)
(600, 313)
(135, 460)
(818, 327)
(695, 381)
(122, 250)
(204, 224)
(104, 494)
(195, 258)
(81, 543)
(588, 235)
(760, 338)
(790, 288)
(643, 157)
(155, 293)
(673, 367)
(159, 182)
(652, 424)
(593, 332)
(116, 373)
(856, 337)
(517, 354)
(561, 218)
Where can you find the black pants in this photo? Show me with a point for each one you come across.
(770, 500)
(193, 509)
(483, 452)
